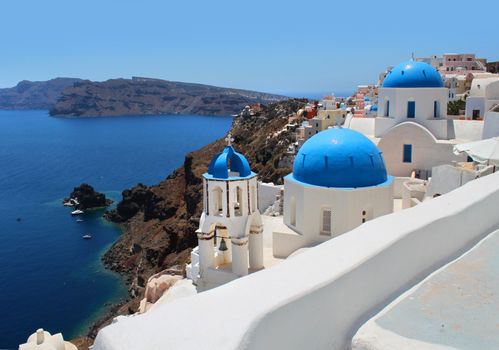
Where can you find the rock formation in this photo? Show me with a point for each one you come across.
(87, 198)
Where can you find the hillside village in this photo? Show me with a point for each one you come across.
(336, 191)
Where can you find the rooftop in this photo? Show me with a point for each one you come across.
(457, 306)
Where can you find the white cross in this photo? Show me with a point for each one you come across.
(229, 139)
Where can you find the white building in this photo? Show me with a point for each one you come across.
(483, 96)
(412, 128)
(339, 181)
(230, 242)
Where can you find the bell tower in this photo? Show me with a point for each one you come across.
(230, 241)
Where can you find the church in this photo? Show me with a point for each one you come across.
(339, 181)
(412, 127)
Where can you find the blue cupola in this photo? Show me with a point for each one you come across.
(340, 157)
(229, 164)
(413, 74)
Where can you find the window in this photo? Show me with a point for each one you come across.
(293, 211)
(326, 221)
(238, 204)
(407, 156)
(435, 109)
(217, 200)
(411, 109)
(387, 109)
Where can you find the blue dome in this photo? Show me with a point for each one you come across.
(227, 160)
(413, 74)
(340, 157)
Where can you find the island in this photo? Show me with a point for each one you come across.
(84, 197)
(34, 94)
(147, 96)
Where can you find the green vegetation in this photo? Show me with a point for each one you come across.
(453, 107)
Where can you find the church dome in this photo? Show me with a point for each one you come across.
(413, 74)
(229, 163)
(340, 157)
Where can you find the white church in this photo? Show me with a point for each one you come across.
(412, 127)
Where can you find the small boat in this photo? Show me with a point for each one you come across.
(86, 236)
(68, 204)
(79, 220)
(77, 212)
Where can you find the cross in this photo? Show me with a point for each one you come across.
(229, 139)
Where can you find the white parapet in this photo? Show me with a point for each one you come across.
(318, 299)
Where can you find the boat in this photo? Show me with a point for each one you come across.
(68, 204)
(79, 220)
(86, 236)
(77, 212)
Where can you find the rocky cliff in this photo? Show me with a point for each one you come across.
(160, 221)
(146, 96)
(34, 94)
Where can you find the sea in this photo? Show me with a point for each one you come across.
(49, 276)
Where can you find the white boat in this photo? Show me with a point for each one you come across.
(79, 220)
(86, 236)
(77, 212)
(68, 204)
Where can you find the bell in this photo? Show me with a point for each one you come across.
(222, 247)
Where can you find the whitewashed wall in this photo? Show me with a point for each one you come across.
(318, 299)
(267, 193)
(427, 152)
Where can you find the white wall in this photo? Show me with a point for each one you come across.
(319, 298)
(491, 125)
(267, 193)
(363, 125)
(346, 205)
(473, 103)
(468, 130)
(427, 152)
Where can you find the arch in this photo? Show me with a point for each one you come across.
(217, 200)
(238, 204)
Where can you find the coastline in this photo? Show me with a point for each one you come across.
(159, 232)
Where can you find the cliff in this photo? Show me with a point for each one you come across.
(160, 221)
(146, 96)
(34, 94)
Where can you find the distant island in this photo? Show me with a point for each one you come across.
(34, 94)
(146, 96)
(137, 96)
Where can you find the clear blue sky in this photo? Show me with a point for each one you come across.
(275, 46)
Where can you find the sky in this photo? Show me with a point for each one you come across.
(274, 46)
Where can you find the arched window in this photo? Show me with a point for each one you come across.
(435, 109)
(387, 108)
(217, 200)
(326, 218)
(238, 204)
(292, 211)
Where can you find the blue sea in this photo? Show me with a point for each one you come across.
(49, 276)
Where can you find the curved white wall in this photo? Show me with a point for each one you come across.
(319, 298)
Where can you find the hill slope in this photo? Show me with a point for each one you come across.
(34, 94)
(145, 96)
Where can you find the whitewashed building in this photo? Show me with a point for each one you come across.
(339, 181)
(230, 242)
(412, 128)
